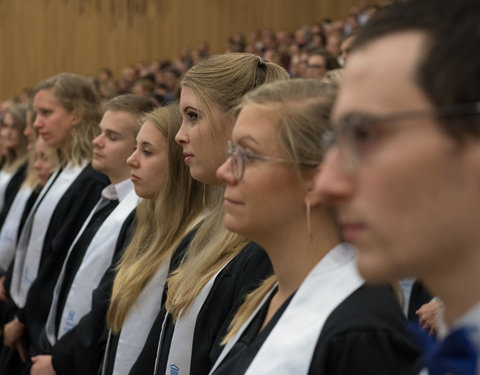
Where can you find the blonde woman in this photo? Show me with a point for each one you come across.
(14, 168)
(315, 315)
(172, 207)
(67, 115)
(43, 161)
(219, 266)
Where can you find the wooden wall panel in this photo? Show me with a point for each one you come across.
(39, 38)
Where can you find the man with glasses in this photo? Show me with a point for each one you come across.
(319, 62)
(403, 169)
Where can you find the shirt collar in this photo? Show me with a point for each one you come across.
(118, 191)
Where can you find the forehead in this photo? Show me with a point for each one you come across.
(188, 99)
(380, 77)
(118, 121)
(44, 97)
(150, 134)
(316, 59)
(256, 123)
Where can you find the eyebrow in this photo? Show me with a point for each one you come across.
(190, 107)
(108, 131)
(247, 139)
(145, 143)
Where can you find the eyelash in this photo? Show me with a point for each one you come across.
(192, 116)
(45, 112)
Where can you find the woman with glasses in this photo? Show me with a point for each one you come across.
(315, 315)
(219, 266)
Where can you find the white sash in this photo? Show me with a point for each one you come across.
(139, 321)
(180, 355)
(290, 346)
(96, 260)
(5, 178)
(30, 244)
(9, 231)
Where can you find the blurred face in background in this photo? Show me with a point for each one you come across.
(45, 160)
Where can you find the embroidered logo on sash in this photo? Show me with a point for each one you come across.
(174, 369)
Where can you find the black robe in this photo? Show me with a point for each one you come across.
(11, 190)
(175, 261)
(365, 334)
(67, 219)
(80, 350)
(240, 276)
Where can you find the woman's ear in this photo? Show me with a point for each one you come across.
(313, 196)
(76, 117)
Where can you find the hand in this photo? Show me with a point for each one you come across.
(428, 315)
(3, 293)
(42, 365)
(12, 333)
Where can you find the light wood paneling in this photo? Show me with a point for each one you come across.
(39, 38)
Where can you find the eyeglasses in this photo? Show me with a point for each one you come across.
(240, 156)
(356, 131)
(315, 66)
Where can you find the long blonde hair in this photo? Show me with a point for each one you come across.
(77, 95)
(219, 81)
(15, 158)
(162, 221)
(301, 109)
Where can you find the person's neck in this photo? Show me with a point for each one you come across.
(457, 285)
(117, 178)
(294, 252)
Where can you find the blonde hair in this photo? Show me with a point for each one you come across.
(219, 81)
(301, 109)
(15, 158)
(77, 95)
(162, 221)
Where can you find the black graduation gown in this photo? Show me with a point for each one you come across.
(80, 350)
(175, 261)
(67, 219)
(243, 274)
(365, 334)
(11, 190)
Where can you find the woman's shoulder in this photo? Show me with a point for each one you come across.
(250, 256)
(90, 175)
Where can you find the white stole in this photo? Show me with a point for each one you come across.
(9, 231)
(180, 355)
(96, 260)
(139, 321)
(290, 346)
(5, 178)
(30, 244)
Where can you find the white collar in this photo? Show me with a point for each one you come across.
(118, 191)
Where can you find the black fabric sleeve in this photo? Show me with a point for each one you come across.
(366, 334)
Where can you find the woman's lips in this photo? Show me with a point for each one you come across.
(187, 157)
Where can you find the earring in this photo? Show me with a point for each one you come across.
(307, 212)
(204, 195)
